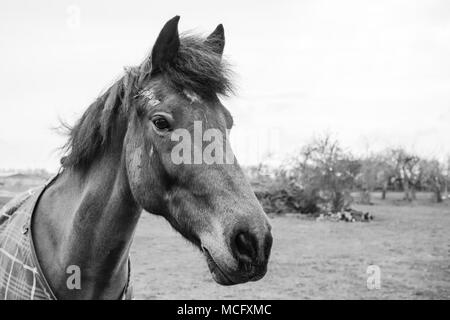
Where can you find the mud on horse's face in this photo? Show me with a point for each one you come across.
(208, 201)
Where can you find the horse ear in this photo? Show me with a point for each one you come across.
(216, 40)
(166, 45)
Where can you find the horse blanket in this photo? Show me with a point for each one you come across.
(21, 277)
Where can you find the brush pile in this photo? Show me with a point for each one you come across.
(287, 198)
(347, 215)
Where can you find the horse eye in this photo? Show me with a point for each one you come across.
(161, 123)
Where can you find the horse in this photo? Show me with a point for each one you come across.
(118, 163)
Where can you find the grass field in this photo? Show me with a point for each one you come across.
(312, 260)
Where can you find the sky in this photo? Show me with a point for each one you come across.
(374, 74)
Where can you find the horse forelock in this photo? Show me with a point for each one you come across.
(199, 69)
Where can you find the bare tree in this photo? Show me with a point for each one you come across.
(446, 177)
(325, 167)
(378, 171)
(432, 177)
(408, 171)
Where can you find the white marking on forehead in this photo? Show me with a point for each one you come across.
(192, 96)
(150, 95)
(151, 151)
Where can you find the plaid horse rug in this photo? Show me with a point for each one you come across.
(21, 277)
(20, 274)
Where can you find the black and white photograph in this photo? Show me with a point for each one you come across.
(224, 151)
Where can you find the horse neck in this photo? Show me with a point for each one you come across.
(88, 220)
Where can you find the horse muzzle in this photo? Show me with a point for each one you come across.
(245, 259)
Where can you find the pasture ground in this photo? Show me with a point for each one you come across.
(310, 260)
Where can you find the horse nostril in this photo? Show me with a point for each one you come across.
(246, 247)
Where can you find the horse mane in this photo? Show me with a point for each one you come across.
(196, 68)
